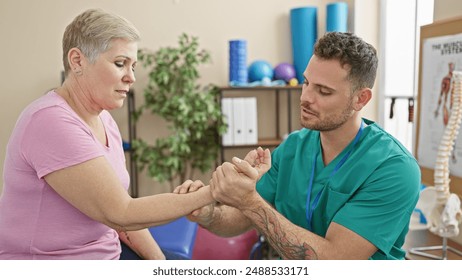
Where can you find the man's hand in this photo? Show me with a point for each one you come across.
(260, 159)
(234, 183)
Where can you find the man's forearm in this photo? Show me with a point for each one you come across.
(228, 221)
(277, 230)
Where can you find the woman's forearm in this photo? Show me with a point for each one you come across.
(161, 208)
(143, 243)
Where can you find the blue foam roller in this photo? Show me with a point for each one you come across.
(337, 17)
(238, 61)
(304, 29)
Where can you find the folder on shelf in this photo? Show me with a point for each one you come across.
(241, 117)
(250, 126)
(245, 121)
(239, 121)
(227, 109)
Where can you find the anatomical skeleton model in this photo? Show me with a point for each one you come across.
(441, 208)
(446, 93)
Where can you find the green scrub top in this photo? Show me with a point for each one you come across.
(373, 193)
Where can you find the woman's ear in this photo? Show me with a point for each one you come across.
(75, 57)
(363, 97)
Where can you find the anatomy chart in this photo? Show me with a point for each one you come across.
(440, 57)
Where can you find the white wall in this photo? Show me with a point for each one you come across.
(366, 26)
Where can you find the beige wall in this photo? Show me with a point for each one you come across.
(445, 9)
(31, 44)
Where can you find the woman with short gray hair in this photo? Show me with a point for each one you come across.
(65, 179)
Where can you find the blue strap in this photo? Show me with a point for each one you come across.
(310, 209)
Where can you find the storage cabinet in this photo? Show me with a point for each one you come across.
(274, 113)
(277, 117)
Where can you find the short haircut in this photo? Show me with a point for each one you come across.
(92, 32)
(350, 50)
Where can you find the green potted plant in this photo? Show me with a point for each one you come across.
(192, 112)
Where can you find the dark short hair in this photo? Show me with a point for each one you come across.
(361, 57)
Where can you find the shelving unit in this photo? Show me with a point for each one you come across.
(133, 170)
(250, 91)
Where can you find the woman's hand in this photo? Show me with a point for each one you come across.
(188, 186)
(203, 215)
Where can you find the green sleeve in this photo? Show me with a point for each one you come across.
(381, 208)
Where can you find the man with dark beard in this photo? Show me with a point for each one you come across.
(340, 188)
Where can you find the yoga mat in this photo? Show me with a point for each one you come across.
(337, 17)
(304, 29)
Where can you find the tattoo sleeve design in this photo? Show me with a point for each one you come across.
(288, 245)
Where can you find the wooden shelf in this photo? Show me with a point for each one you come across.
(268, 142)
(261, 88)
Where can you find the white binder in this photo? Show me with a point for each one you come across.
(245, 121)
(239, 121)
(250, 123)
(227, 109)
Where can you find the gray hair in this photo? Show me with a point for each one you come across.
(350, 50)
(92, 32)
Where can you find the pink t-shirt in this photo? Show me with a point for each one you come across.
(35, 222)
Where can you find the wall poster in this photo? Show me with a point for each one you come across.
(440, 57)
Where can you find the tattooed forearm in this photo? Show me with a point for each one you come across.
(288, 245)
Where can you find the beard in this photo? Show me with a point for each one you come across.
(329, 122)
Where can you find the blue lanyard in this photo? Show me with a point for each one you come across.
(310, 210)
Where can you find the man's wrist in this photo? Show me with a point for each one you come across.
(206, 223)
(252, 202)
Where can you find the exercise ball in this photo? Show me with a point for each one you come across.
(284, 71)
(293, 82)
(260, 69)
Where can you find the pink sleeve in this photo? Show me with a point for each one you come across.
(55, 139)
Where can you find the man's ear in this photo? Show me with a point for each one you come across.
(75, 58)
(362, 97)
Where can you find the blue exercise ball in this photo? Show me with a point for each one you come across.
(260, 69)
